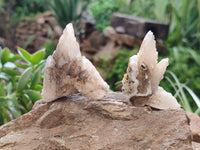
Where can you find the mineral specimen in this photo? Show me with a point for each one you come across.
(143, 76)
(67, 72)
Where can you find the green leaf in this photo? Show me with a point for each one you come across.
(14, 58)
(2, 90)
(1, 117)
(194, 96)
(38, 87)
(9, 88)
(29, 40)
(41, 65)
(33, 95)
(38, 56)
(195, 56)
(3, 76)
(25, 55)
(24, 78)
(11, 72)
(10, 65)
(5, 54)
(2, 100)
(21, 66)
(35, 78)
(13, 106)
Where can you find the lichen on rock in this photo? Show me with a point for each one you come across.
(144, 73)
(67, 72)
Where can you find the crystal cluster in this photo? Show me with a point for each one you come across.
(144, 73)
(67, 72)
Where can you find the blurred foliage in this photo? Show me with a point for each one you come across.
(185, 24)
(20, 82)
(183, 16)
(49, 48)
(23, 8)
(101, 10)
(1, 6)
(66, 11)
(184, 63)
(187, 98)
(116, 67)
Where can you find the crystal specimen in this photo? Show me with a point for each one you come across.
(143, 76)
(67, 72)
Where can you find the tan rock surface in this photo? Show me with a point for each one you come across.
(194, 126)
(75, 123)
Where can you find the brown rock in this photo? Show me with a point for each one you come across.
(125, 39)
(194, 126)
(107, 52)
(92, 44)
(138, 27)
(96, 39)
(120, 29)
(109, 31)
(195, 146)
(121, 38)
(111, 123)
(44, 26)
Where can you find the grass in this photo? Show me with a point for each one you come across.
(182, 91)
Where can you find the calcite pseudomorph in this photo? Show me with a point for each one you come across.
(67, 72)
(143, 76)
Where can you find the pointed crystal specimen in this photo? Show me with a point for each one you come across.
(143, 76)
(67, 72)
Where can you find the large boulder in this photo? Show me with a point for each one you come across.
(75, 122)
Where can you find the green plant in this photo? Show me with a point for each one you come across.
(183, 17)
(116, 67)
(20, 82)
(66, 11)
(1, 6)
(184, 62)
(182, 92)
(23, 8)
(49, 48)
(184, 24)
(184, 77)
(101, 11)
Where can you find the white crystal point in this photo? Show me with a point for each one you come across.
(90, 84)
(138, 80)
(163, 100)
(67, 48)
(148, 53)
(144, 74)
(67, 72)
(158, 73)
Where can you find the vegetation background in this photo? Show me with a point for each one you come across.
(21, 73)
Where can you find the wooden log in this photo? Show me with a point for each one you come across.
(138, 27)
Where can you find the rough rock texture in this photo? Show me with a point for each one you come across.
(75, 123)
(195, 129)
(194, 126)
